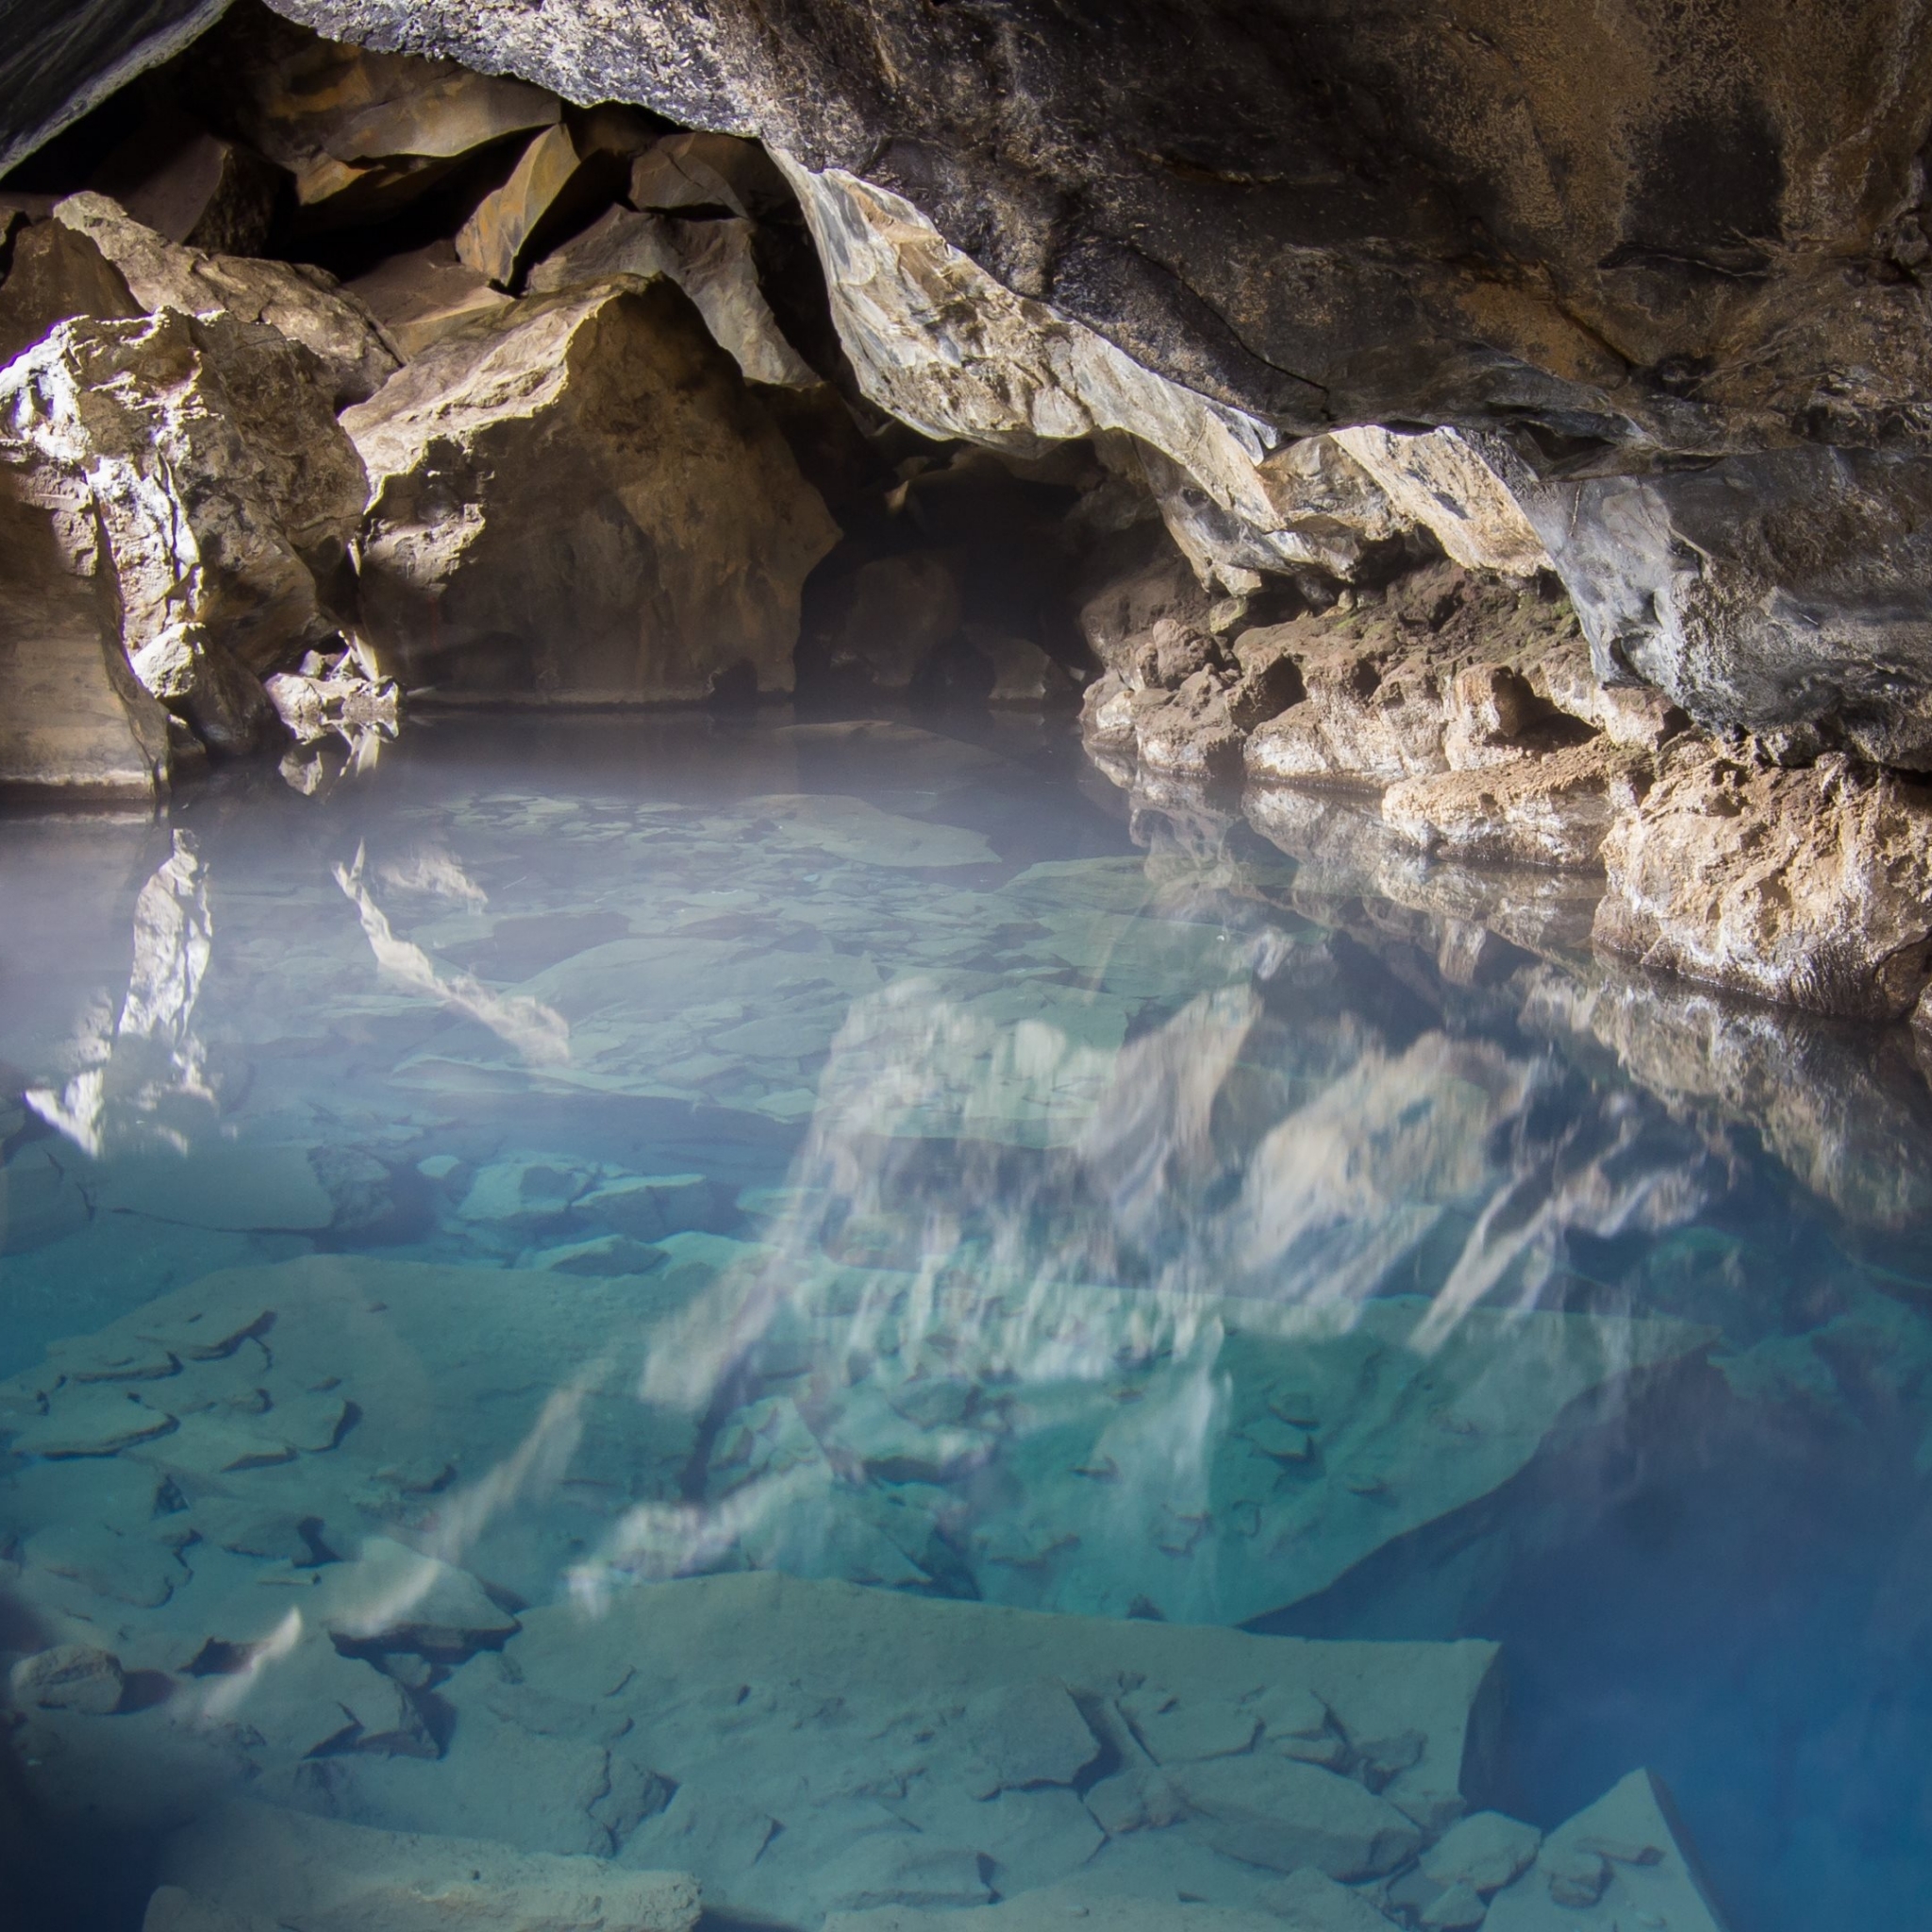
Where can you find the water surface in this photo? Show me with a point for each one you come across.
(596, 1157)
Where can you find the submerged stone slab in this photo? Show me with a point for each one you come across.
(603, 424)
(310, 1874)
(1623, 1861)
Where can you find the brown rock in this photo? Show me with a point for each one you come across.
(199, 679)
(882, 625)
(1120, 617)
(74, 719)
(1195, 732)
(1810, 887)
(418, 298)
(633, 527)
(53, 275)
(1111, 710)
(193, 186)
(1553, 810)
(305, 304)
(1436, 674)
(1023, 674)
(686, 171)
(496, 237)
(711, 262)
(1634, 715)
(204, 459)
(364, 133)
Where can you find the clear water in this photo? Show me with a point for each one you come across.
(599, 1156)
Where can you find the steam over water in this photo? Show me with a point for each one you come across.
(441, 1215)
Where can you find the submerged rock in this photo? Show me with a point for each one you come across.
(1623, 1861)
(575, 501)
(1812, 888)
(313, 1874)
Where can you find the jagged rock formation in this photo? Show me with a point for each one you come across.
(1700, 242)
(577, 499)
(301, 303)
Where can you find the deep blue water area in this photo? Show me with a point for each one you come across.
(854, 1311)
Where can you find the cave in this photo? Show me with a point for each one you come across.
(964, 965)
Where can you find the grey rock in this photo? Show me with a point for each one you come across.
(1782, 592)
(55, 63)
(71, 1676)
(1274, 1812)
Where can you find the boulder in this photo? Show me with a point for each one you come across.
(504, 224)
(686, 173)
(53, 276)
(711, 260)
(204, 455)
(1812, 888)
(199, 679)
(419, 297)
(634, 528)
(1555, 809)
(882, 626)
(305, 304)
(73, 718)
(174, 176)
(364, 132)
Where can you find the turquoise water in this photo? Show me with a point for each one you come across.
(467, 1235)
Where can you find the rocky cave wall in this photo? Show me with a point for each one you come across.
(1513, 420)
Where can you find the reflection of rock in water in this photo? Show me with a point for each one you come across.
(940, 1396)
(136, 1070)
(1836, 1102)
